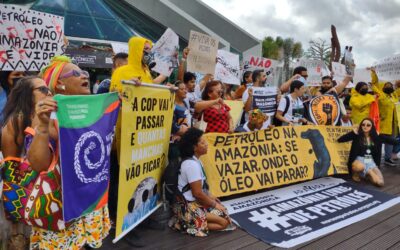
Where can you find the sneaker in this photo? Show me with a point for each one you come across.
(390, 163)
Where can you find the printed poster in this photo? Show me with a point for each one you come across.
(269, 66)
(243, 162)
(145, 134)
(86, 131)
(388, 68)
(29, 38)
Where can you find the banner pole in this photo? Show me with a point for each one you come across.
(157, 86)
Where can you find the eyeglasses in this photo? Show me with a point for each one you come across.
(43, 89)
(75, 73)
(366, 125)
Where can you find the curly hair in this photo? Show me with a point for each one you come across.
(188, 141)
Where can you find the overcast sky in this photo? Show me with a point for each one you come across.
(372, 27)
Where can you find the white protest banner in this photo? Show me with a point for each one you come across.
(165, 53)
(120, 48)
(339, 71)
(28, 38)
(362, 75)
(388, 68)
(203, 53)
(316, 69)
(227, 69)
(268, 65)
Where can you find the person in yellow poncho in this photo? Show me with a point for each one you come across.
(388, 97)
(360, 103)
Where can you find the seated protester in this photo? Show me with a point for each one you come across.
(346, 121)
(360, 103)
(216, 113)
(291, 109)
(366, 151)
(197, 211)
(256, 122)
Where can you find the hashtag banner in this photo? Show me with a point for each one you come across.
(293, 215)
(243, 162)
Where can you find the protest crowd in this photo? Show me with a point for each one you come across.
(30, 137)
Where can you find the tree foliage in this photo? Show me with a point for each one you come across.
(319, 50)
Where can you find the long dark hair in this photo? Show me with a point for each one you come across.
(372, 133)
(20, 107)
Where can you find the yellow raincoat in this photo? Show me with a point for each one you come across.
(387, 107)
(360, 106)
(134, 68)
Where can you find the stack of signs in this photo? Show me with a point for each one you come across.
(388, 68)
(165, 53)
(316, 69)
(227, 69)
(29, 39)
(268, 65)
(203, 53)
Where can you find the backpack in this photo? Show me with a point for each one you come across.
(278, 122)
(170, 181)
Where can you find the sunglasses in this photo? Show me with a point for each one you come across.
(305, 76)
(43, 89)
(366, 125)
(75, 73)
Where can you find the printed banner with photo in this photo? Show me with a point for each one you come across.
(324, 110)
(388, 68)
(264, 98)
(243, 162)
(316, 69)
(203, 53)
(165, 52)
(86, 129)
(29, 38)
(227, 69)
(268, 65)
(293, 215)
(146, 127)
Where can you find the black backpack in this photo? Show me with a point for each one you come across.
(170, 181)
(278, 122)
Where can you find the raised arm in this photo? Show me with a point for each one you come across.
(340, 87)
(181, 68)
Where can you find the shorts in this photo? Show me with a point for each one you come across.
(367, 165)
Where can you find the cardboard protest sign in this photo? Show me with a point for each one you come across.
(86, 131)
(388, 68)
(324, 110)
(316, 69)
(120, 47)
(147, 113)
(28, 38)
(165, 53)
(227, 69)
(243, 162)
(203, 53)
(268, 65)
(287, 217)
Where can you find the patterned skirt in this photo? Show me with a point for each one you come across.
(190, 218)
(89, 230)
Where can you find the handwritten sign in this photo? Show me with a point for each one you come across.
(203, 52)
(120, 48)
(316, 69)
(388, 68)
(28, 38)
(165, 53)
(268, 65)
(227, 69)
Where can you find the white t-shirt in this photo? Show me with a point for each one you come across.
(296, 104)
(191, 171)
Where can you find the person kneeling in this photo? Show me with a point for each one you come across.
(197, 211)
(366, 152)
